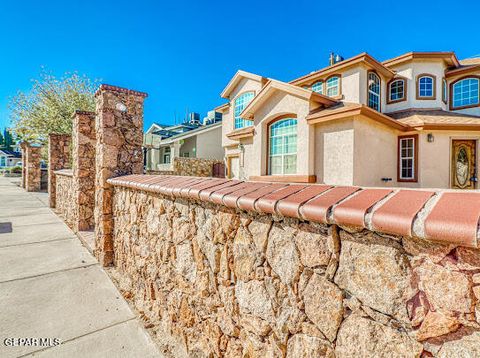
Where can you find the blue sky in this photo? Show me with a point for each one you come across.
(183, 53)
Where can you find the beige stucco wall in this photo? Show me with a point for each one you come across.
(278, 105)
(209, 144)
(410, 71)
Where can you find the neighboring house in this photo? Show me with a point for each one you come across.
(163, 143)
(9, 158)
(411, 121)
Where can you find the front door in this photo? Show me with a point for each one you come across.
(464, 171)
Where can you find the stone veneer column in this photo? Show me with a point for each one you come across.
(59, 156)
(119, 128)
(23, 146)
(33, 173)
(83, 149)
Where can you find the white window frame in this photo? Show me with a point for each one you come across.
(318, 87)
(238, 108)
(419, 92)
(390, 90)
(329, 87)
(456, 83)
(412, 177)
(282, 155)
(374, 77)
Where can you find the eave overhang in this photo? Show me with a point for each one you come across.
(363, 58)
(236, 79)
(242, 133)
(464, 70)
(449, 57)
(355, 110)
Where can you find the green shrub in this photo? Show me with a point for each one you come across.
(16, 170)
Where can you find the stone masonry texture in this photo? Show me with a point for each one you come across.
(66, 201)
(234, 283)
(59, 157)
(23, 146)
(83, 165)
(119, 133)
(197, 167)
(32, 168)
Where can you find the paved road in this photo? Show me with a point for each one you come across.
(51, 287)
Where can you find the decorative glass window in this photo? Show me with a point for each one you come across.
(406, 159)
(426, 87)
(241, 102)
(318, 87)
(374, 91)
(333, 86)
(397, 90)
(465, 92)
(282, 152)
(444, 90)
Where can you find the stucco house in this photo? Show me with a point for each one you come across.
(410, 121)
(9, 158)
(164, 143)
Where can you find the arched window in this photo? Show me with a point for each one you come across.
(465, 93)
(241, 102)
(333, 86)
(374, 91)
(396, 91)
(318, 87)
(426, 87)
(282, 151)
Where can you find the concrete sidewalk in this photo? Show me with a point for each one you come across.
(51, 287)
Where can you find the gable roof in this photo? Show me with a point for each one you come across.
(448, 56)
(273, 86)
(11, 153)
(237, 78)
(364, 58)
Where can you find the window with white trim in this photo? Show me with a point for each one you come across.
(407, 158)
(465, 92)
(282, 152)
(426, 87)
(318, 87)
(333, 86)
(374, 91)
(397, 90)
(241, 102)
(444, 91)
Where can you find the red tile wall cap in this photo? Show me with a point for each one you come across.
(290, 206)
(455, 219)
(205, 193)
(230, 200)
(247, 202)
(352, 211)
(105, 87)
(450, 217)
(267, 204)
(317, 209)
(397, 214)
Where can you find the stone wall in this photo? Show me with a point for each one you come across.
(59, 157)
(83, 165)
(198, 167)
(32, 168)
(234, 269)
(66, 201)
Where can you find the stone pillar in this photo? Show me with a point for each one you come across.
(33, 174)
(119, 128)
(83, 149)
(23, 146)
(59, 157)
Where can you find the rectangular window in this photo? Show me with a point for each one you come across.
(333, 86)
(407, 158)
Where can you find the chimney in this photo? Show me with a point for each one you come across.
(331, 60)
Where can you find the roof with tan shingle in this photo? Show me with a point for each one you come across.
(437, 118)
